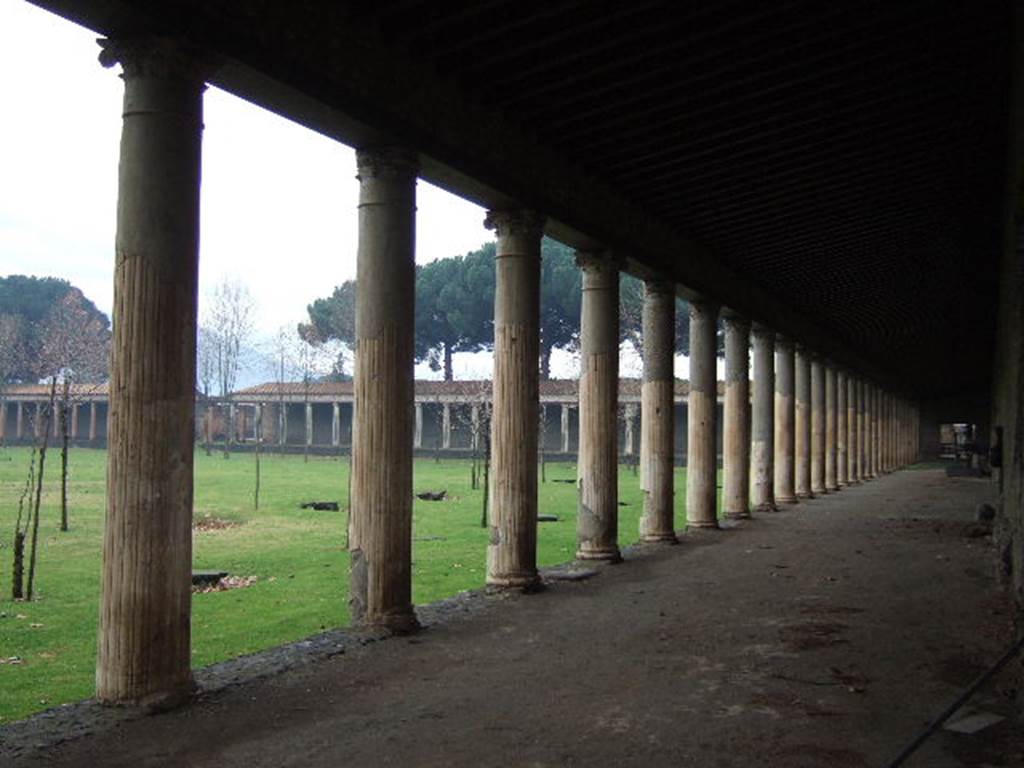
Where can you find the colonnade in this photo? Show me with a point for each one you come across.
(29, 418)
(777, 446)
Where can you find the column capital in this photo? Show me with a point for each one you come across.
(761, 331)
(156, 56)
(385, 163)
(598, 261)
(515, 222)
(703, 307)
(659, 287)
(784, 343)
(735, 322)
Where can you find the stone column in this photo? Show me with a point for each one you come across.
(702, 464)
(19, 420)
(565, 427)
(736, 427)
(831, 430)
(380, 591)
(474, 420)
(512, 548)
(785, 422)
(818, 426)
(762, 449)
(628, 417)
(73, 407)
(842, 430)
(3, 420)
(597, 522)
(232, 423)
(417, 439)
(309, 423)
(446, 426)
(657, 413)
(92, 422)
(335, 424)
(857, 426)
(802, 366)
(144, 649)
(870, 427)
(282, 417)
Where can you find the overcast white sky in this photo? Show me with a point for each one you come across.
(278, 200)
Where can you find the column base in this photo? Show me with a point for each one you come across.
(786, 500)
(819, 491)
(397, 623)
(525, 581)
(608, 555)
(804, 495)
(157, 701)
(833, 488)
(703, 524)
(669, 537)
(743, 515)
(766, 508)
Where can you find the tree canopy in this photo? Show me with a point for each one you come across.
(48, 327)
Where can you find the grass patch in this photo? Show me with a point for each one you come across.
(297, 556)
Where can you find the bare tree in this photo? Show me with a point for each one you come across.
(230, 322)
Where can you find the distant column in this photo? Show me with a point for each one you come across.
(512, 549)
(474, 421)
(702, 464)
(144, 651)
(3, 420)
(736, 427)
(818, 426)
(803, 423)
(831, 425)
(282, 417)
(232, 423)
(417, 439)
(565, 427)
(657, 413)
(785, 422)
(73, 408)
(19, 422)
(335, 424)
(92, 421)
(597, 522)
(842, 432)
(862, 430)
(380, 586)
(762, 449)
(870, 426)
(309, 423)
(446, 426)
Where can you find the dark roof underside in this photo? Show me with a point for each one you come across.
(844, 160)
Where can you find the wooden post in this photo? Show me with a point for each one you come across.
(597, 522)
(144, 644)
(803, 423)
(512, 475)
(701, 453)
(736, 429)
(762, 426)
(818, 426)
(657, 414)
(785, 425)
(380, 593)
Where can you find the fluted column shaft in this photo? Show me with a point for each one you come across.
(785, 422)
(736, 427)
(803, 423)
(512, 549)
(831, 424)
(380, 592)
(762, 447)
(702, 465)
(870, 427)
(861, 469)
(657, 413)
(818, 426)
(597, 522)
(144, 630)
(842, 433)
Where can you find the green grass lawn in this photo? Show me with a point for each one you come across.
(298, 557)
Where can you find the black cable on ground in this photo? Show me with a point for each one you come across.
(948, 712)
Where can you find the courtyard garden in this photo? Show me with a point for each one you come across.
(288, 565)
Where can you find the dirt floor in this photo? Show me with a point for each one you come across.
(827, 634)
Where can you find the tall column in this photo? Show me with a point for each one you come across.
(19, 420)
(861, 474)
(818, 426)
(831, 427)
(702, 464)
(512, 550)
(870, 425)
(802, 365)
(74, 420)
(736, 427)
(417, 439)
(785, 422)
(380, 584)
(657, 413)
(309, 423)
(762, 422)
(565, 427)
(92, 421)
(628, 437)
(144, 645)
(446, 426)
(335, 424)
(597, 522)
(842, 432)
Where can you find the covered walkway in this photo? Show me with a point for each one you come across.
(825, 634)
